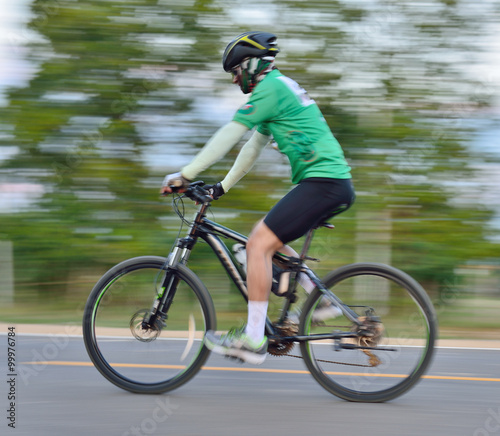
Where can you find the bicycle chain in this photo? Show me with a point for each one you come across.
(332, 361)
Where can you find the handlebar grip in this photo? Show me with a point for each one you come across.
(173, 188)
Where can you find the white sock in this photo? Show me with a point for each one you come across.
(257, 312)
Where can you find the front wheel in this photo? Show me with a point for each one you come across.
(162, 357)
(395, 342)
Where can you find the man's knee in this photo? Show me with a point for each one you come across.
(256, 241)
(263, 239)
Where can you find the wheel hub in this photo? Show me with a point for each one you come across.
(143, 331)
(370, 333)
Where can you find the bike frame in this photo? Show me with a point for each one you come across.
(210, 232)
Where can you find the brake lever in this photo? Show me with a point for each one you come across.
(200, 194)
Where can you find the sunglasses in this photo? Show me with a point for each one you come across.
(236, 70)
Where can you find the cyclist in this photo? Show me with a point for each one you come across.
(280, 108)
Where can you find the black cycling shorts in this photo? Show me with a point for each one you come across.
(310, 203)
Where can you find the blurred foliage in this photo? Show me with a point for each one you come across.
(126, 91)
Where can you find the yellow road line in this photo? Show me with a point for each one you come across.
(263, 370)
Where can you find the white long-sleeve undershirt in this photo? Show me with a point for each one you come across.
(219, 145)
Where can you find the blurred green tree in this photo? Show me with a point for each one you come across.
(75, 130)
(387, 76)
(390, 79)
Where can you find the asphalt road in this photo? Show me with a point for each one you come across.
(462, 397)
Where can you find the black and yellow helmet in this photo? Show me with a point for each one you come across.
(249, 45)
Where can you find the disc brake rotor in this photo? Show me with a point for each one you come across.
(142, 332)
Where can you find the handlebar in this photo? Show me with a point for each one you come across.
(195, 192)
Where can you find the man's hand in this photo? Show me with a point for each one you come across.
(177, 181)
(216, 191)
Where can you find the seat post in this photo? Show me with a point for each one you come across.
(307, 244)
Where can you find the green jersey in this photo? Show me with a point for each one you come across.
(279, 106)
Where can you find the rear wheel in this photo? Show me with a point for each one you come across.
(394, 346)
(158, 358)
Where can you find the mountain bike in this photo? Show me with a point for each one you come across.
(145, 319)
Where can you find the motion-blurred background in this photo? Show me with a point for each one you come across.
(100, 99)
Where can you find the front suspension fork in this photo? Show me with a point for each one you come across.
(157, 315)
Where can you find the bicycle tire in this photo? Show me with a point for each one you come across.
(143, 365)
(403, 301)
